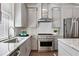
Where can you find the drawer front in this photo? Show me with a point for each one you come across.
(70, 50)
(62, 52)
(45, 36)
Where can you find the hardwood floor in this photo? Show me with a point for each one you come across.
(44, 53)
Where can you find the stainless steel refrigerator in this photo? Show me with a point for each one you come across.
(71, 27)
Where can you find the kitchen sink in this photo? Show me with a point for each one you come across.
(15, 40)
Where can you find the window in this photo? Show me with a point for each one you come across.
(6, 20)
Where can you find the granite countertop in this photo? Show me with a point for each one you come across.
(7, 48)
(72, 42)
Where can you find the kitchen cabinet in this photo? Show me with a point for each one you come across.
(32, 17)
(56, 12)
(20, 15)
(76, 11)
(66, 50)
(62, 52)
(66, 12)
(28, 46)
(56, 44)
(34, 43)
(25, 48)
(69, 12)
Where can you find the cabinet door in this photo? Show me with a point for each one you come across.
(62, 52)
(56, 44)
(70, 50)
(66, 12)
(28, 44)
(23, 50)
(34, 43)
(76, 12)
(18, 15)
(32, 17)
(24, 15)
(56, 16)
(29, 40)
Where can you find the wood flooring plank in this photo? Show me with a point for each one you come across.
(44, 53)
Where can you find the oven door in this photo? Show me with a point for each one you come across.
(45, 45)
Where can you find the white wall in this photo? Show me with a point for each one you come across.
(45, 27)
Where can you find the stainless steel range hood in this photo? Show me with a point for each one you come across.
(45, 19)
(44, 12)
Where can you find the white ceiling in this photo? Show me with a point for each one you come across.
(60, 4)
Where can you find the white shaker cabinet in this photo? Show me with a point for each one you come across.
(28, 46)
(25, 48)
(76, 12)
(67, 50)
(66, 12)
(32, 16)
(20, 15)
(61, 50)
(56, 43)
(69, 12)
(56, 13)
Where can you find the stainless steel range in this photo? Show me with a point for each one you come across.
(45, 42)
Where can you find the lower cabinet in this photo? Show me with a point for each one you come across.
(25, 48)
(56, 44)
(28, 46)
(62, 52)
(66, 50)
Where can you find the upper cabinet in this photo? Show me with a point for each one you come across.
(66, 12)
(20, 15)
(32, 17)
(56, 14)
(76, 11)
(6, 7)
(70, 12)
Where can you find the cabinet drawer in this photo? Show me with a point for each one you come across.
(62, 52)
(70, 50)
(45, 36)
